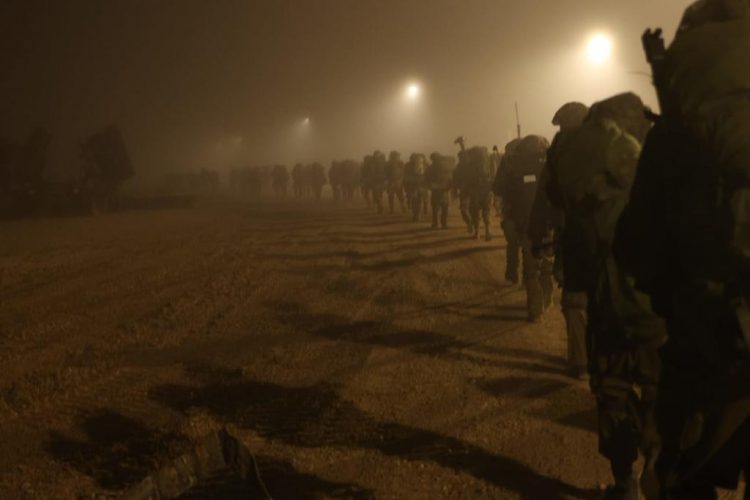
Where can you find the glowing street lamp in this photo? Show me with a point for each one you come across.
(599, 49)
(413, 91)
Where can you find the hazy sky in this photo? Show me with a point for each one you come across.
(209, 82)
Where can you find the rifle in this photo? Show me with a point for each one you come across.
(656, 52)
(518, 122)
(460, 141)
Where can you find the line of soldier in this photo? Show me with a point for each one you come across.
(648, 220)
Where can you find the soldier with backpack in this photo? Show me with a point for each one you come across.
(478, 188)
(690, 207)
(522, 169)
(499, 187)
(417, 194)
(366, 180)
(545, 230)
(395, 176)
(590, 180)
(378, 179)
(439, 179)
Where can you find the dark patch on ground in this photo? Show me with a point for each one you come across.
(315, 417)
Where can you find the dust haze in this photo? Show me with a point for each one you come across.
(194, 85)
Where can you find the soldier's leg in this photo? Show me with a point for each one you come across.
(475, 208)
(574, 310)
(378, 199)
(486, 211)
(435, 210)
(531, 267)
(464, 202)
(391, 196)
(546, 279)
(620, 413)
(512, 251)
(415, 206)
(444, 212)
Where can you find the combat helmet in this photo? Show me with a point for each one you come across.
(713, 11)
(570, 115)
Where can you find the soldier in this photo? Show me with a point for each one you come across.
(591, 177)
(317, 179)
(518, 185)
(439, 178)
(460, 189)
(298, 180)
(395, 174)
(352, 173)
(684, 236)
(335, 178)
(478, 187)
(366, 179)
(280, 180)
(499, 188)
(379, 179)
(417, 194)
(545, 230)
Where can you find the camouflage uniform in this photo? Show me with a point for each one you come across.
(366, 180)
(689, 209)
(513, 247)
(298, 180)
(439, 178)
(591, 177)
(478, 186)
(395, 173)
(317, 179)
(545, 230)
(379, 179)
(417, 193)
(460, 190)
(280, 180)
(522, 168)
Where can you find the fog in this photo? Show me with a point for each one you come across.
(226, 82)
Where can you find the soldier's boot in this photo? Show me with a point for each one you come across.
(444, 217)
(624, 489)
(487, 233)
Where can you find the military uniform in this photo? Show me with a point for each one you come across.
(417, 193)
(689, 208)
(366, 180)
(546, 228)
(335, 179)
(513, 247)
(439, 179)
(379, 179)
(317, 179)
(522, 167)
(395, 175)
(461, 191)
(280, 180)
(591, 176)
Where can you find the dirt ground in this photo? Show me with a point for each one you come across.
(356, 355)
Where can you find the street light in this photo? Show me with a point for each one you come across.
(413, 91)
(599, 49)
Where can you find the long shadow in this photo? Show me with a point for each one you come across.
(417, 341)
(315, 417)
(117, 451)
(354, 254)
(281, 480)
(390, 265)
(525, 387)
(586, 420)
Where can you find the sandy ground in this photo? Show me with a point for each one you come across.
(356, 355)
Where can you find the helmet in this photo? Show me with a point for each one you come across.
(571, 115)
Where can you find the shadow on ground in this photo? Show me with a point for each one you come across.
(316, 417)
(115, 450)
